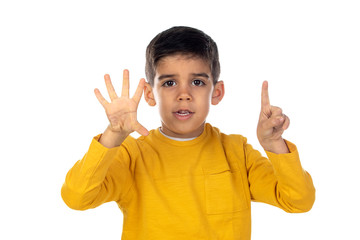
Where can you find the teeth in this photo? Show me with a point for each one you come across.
(183, 113)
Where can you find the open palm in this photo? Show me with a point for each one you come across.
(122, 111)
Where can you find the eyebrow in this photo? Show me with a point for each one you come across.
(201, 75)
(162, 77)
(165, 76)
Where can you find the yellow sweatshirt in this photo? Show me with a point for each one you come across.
(197, 189)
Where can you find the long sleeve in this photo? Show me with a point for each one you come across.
(101, 176)
(280, 180)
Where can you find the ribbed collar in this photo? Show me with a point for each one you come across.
(165, 139)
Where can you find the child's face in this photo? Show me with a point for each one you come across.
(183, 89)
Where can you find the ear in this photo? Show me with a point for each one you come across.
(149, 95)
(218, 93)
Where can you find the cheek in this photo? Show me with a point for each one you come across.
(208, 97)
(163, 102)
(204, 102)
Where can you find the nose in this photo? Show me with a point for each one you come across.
(184, 95)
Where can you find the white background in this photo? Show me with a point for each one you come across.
(54, 53)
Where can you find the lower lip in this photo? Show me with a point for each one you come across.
(182, 116)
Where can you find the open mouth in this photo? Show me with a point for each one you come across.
(183, 114)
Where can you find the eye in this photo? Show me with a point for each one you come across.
(198, 82)
(169, 83)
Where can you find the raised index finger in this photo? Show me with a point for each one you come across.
(139, 91)
(265, 101)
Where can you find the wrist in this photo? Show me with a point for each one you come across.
(278, 146)
(111, 138)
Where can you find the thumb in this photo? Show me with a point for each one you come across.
(141, 129)
(273, 122)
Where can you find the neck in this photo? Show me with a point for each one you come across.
(176, 138)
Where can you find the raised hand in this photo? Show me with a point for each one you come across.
(122, 111)
(272, 124)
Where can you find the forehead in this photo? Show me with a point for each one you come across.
(182, 63)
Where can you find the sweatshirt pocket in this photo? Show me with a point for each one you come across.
(224, 193)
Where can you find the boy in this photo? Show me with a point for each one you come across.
(185, 180)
